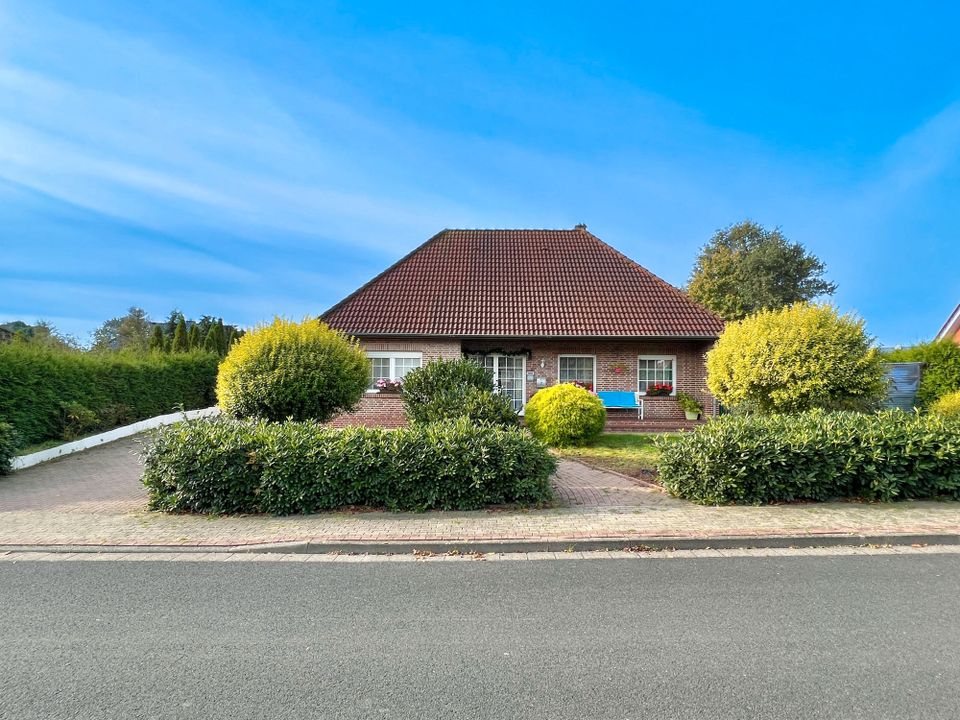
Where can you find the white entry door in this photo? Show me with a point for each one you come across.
(508, 375)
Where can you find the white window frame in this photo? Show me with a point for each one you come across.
(576, 355)
(643, 393)
(392, 355)
(496, 374)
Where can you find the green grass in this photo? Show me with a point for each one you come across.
(632, 454)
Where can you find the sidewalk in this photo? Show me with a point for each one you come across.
(95, 499)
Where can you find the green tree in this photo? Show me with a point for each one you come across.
(193, 337)
(221, 338)
(170, 326)
(133, 331)
(797, 358)
(745, 268)
(43, 334)
(157, 343)
(180, 342)
(210, 343)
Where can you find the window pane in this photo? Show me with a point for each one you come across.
(403, 365)
(654, 372)
(379, 370)
(576, 369)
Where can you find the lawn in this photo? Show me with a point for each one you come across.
(632, 454)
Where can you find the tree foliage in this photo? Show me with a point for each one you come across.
(180, 341)
(746, 268)
(794, 359)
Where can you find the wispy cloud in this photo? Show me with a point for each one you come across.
(188, 175)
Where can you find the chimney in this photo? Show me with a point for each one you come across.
(580, 226)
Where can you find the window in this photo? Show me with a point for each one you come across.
(657, 370)
(577, 369)
(509, 375)
(391, 365)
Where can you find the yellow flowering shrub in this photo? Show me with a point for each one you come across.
(303, 371)
(948, 405)
(801, 357)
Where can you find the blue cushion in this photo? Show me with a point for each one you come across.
(617, 399)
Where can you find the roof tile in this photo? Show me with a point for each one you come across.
(520, 283)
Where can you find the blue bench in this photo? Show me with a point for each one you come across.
(622, 400)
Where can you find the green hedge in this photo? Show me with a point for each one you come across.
(815, 456)
(9, 442)
(250, 466)
(50, 394)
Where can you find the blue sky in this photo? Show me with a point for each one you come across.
(247, 159)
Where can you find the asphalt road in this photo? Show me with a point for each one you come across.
(851, 637)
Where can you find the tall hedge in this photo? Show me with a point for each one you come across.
(41, 386)
(245, 466)
(815, 455)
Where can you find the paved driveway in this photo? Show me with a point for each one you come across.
(107, 479)
(96, 498)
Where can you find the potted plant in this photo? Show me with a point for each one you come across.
(389, 386)
(691, 406)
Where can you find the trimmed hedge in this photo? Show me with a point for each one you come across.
(451, 389)
(52, 394)
(814, 456)
(565, 415)
(9, 442)
(252, 466)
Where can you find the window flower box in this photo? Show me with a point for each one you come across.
(659, 390)
(389, 386)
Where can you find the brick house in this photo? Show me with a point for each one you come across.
(951, 328)
(536, 307)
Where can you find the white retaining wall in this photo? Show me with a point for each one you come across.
(25, 461)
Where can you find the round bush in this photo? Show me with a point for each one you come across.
(303, 371)
(794, 359)
(948, 405)
(565, 415)
(451, 389)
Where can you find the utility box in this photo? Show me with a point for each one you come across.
(904, 381)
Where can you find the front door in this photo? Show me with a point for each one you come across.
(508, 375)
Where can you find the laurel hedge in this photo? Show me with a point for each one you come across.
(816, 455)
(53, 394)
(254, 466)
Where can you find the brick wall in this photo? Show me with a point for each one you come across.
(387, 409)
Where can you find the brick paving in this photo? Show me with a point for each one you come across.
(96, 498)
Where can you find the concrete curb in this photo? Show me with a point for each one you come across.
(21, 462)
(514, 546)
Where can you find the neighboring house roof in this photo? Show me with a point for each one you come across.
(951, 328)
(520, 283)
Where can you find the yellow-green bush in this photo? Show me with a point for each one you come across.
(794, 359)
(941, 368)
(948, 405)
(303, 371)
(565, 415)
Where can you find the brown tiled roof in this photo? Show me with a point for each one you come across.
(520, 283)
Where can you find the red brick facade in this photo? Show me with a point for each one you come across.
(615, 367)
